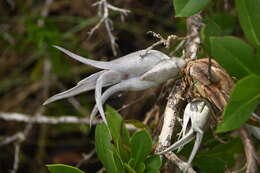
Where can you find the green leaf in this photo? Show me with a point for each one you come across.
(153, 162)
(125, 144)
(226, 152)
(258, 58)
(119, 133)
(249, 17)
(210, 164)
(114, 123)
(210, 29)
(226, 21)
(243, 101)
(140, 167)
(125, 136)
(234, 55)
(217, 157)
(119, 162)
(141, 145)
(129, 169)
(186, 8)
(61, 168)
(104, 148)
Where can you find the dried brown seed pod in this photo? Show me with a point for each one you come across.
(214, 85)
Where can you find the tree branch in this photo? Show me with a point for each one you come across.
(103, 12)
(175, 102)
(251, 157)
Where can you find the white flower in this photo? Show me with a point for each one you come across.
(136, 71)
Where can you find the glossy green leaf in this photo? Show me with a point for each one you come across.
(234, 55)
(243, 101)
(61, 168)
(153, 162)
(104, 148)
(249, 17)
(186, 8)
(141, 145)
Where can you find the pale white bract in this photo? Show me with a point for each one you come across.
(139, 70)
(197, 113)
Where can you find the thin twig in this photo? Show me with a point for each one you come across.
(131, 103)
(250, 152)
(86, 157)
(13, 138)
(194, 24)
(166, 42)
(152, 114)
(175, 102)
(43, 119)
(103, 12)
(17, 147)
(44, 12)
(172, 110)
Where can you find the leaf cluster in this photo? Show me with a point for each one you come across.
(241, 58)
(120, 152)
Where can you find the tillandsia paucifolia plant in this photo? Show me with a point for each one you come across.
(136, 71)
(149, 68)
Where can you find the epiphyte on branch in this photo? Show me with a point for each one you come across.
(139, 70)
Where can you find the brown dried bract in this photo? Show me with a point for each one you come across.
(214, 86)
